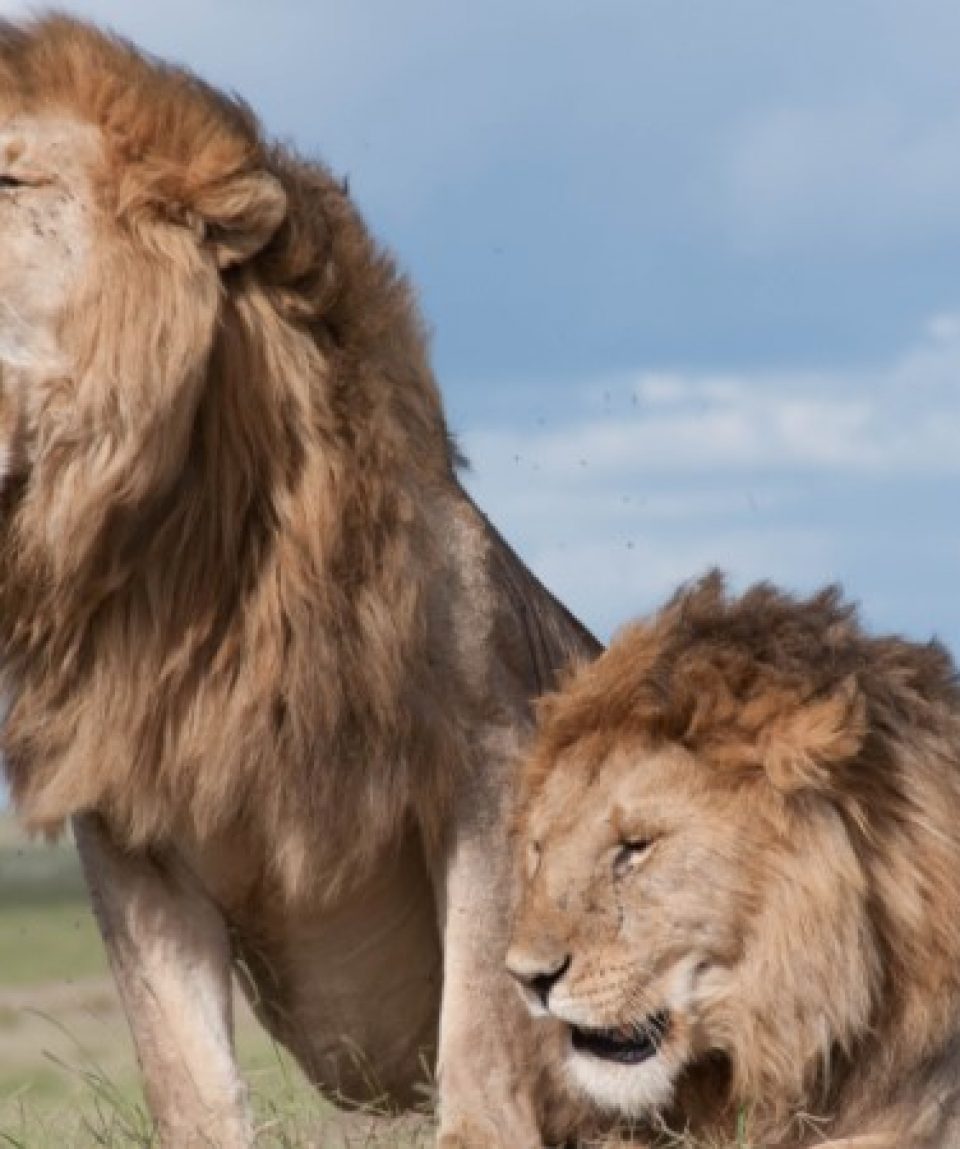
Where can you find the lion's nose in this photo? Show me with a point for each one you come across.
(536, 974)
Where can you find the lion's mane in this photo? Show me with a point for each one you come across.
(213, 581)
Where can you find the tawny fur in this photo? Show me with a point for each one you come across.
(798, 781)
(258, 642)
(214, 585)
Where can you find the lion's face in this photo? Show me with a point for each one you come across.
(107, 308)
(660, 917)
(633, 907)
(47, 215)
(127, 195)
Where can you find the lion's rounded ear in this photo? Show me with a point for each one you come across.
(800, 748)
(242, 215)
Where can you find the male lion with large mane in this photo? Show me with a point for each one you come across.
(739, 877)
(257, 641)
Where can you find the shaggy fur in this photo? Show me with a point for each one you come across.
(253, 631)
(214, 583)
(789, 791)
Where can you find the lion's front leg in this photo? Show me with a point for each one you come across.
(486, 1075)
(169, 951)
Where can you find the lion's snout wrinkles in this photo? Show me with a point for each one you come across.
(748, 808)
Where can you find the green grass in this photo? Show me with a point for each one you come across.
(47, 932)
(56, 941)
(68, 1077)
(64, 1050)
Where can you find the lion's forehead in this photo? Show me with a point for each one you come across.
(56, 131)
(619, 797)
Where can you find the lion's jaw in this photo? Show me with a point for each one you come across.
(630, 1068)
(45, 235)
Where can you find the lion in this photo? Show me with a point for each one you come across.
(738, 877)
(259, 645)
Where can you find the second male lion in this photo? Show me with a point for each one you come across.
(740, 878)
(258, 642)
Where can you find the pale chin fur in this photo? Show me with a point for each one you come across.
(639, 1090)
(625, 1090)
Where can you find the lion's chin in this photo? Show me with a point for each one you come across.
(627, 1071)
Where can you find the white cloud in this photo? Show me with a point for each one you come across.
(904, 418)
(800, 477)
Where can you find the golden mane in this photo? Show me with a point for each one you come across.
(734, 679)
(798, 719)
(214, 579)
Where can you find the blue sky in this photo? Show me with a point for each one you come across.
(693, 268)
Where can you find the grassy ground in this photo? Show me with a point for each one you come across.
(68, 1078)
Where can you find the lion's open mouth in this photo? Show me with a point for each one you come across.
(629, 1044)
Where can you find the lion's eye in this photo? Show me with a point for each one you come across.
(9, 183)
(629, 853)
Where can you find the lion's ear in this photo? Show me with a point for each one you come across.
(799, 749)
(242, 215)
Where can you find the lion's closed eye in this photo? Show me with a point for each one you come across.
(631, 853)
(10, 181)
